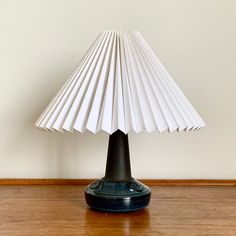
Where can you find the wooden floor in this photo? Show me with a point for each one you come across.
(61, 210)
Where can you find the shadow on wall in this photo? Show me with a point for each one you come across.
(67, 152)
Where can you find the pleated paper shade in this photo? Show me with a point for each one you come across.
(120, 84)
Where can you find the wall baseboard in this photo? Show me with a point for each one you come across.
(150, 182)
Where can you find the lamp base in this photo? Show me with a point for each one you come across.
(117, 196)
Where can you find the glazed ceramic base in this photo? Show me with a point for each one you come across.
(117, 196)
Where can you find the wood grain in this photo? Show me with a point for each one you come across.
(151, 182)
(61, 210)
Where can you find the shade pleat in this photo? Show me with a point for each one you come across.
(143, 89)
(184, 110)
(77, 98)
(130, 122)
(137, 115)
(119, 94)
(167, 79)
(156, 111)
(120, 84)
(177, 120)
(42, 119)
(72, 91)
(162, 99)
(99, 88)
(66, 90)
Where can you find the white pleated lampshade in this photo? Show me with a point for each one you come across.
(120, 84)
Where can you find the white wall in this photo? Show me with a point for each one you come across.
(42, 41)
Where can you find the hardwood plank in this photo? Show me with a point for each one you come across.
(61, 210)
(150, 182)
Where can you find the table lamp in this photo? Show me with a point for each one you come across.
(118, 86)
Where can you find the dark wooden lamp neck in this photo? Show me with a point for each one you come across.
(118, 159)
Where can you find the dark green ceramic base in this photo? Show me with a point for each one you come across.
(117, 196)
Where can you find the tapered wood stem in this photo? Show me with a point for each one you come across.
(118, 160)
